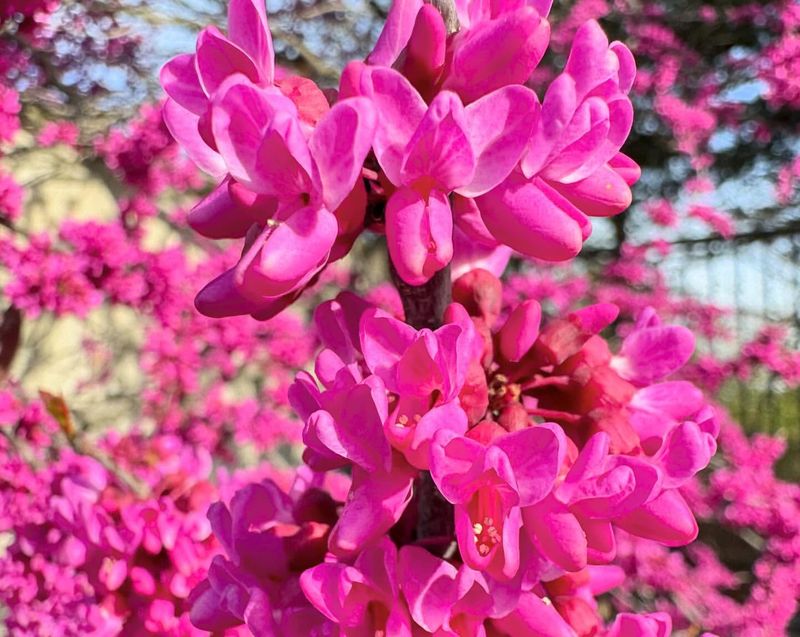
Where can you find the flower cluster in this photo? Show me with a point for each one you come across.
(540, 442)
(87, 554)
(436, 132)
(744, 497)
(492, 475)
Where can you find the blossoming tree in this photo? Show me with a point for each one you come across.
(478, 457)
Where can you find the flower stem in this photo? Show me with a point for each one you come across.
(424, 307)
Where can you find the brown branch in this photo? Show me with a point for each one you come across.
(424, 305)
(447, 9)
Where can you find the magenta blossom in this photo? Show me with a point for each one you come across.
(428, 152)
(424, 372)
(489, 484)
(450, 601)
(572, 525)
(264, 593)
(191, 80)
(363, 599)
(572, 167)
(497, 44)
(344, 427)
(302, 182)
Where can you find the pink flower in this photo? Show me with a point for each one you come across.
(363, 599)
(449, 601)
(11, 199)
(428, 152)
(573, 166)
(489, 484)
(345, 426)
(571, 526)
(9, 113)
(653, 351)
(424, 371)
(651, 625)
(53, 133)
(245, 588)
(191, 80)
(495, 46)
(299, 187)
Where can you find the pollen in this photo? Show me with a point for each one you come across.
(486, 535)
(402, 420)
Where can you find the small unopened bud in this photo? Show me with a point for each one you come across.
(514, 417)
(481, 293)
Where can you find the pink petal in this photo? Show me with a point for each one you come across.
(499, 126)
(339, 145)
(557, 533)
(600, 497)
(578, 153)
(183, 126)
(469, 255)
(217, 59)
(221, 216)
(416, 448)
(384, 339)
(240, 114)
(532, 218)
(357, 432)
(667, 519)
(375, 503)
(686, 451)
(440, 149)
(400, 110)
(663, 404)
(248, 29)
(627, 65)
(626, 168)
(424, 56)
(287, 255)
(320, 585)
(604, 193)
(429, 586)
(396, 32)
(534, 457)
(590, 63)
(337, 323)
(649, 625)
(416, 372)
(589, 462)
(651, 354)
(520, 330)
(496, 53)
(534, 617)
(455, 465)
(221, 298)
(207, 610)
(419, 234)
(468, 219)
(558, 109)
(601, 544)
(180, 82)
(277, 171)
